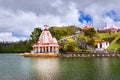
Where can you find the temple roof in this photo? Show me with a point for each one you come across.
(46, 39)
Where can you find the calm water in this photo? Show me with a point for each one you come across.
(13, 67)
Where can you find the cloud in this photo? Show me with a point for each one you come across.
(9, 37)
(22, 16)
(23, 23)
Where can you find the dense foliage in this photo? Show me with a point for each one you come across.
(90, 33)
(60, 32)
(71, 45)
(26, 46)
(35, 34)
(21, 46)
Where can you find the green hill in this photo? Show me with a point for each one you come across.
(115, 43)
(114, 39)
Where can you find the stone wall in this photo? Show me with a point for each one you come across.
(84, 54)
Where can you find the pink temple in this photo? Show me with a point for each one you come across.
(46, 44)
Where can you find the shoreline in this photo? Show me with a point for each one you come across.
(69, 54)
(85, 54)
(40, 54)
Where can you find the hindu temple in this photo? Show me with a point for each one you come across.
(46, 43)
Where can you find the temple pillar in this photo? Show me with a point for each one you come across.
(49, 49)
(52, 49)
(42, 49)
(45, 49)
(38, 49)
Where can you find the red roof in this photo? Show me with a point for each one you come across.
(86, 27)
(46, 29)
(103, 41)
(112, 28)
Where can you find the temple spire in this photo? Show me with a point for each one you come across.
(46, 27)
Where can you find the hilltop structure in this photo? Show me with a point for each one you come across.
(109, 28)
(103, 44)
(86, 27)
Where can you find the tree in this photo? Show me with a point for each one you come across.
(35, 34)
(70, 45)
(91, 42)
(90, 32)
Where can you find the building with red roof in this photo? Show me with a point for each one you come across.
(86, 27)
(103, 44)
(111, 28)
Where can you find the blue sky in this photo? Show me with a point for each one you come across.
(18, 18)
(85, 18)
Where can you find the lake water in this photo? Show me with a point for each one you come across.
(13, 67)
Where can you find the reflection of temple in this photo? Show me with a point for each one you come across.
(46, 44)
(46, 68)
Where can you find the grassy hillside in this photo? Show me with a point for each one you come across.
(99, 36)
(114, 45)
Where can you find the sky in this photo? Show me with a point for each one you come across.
(18, 18)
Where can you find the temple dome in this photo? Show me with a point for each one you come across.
(45, 36)
(54, 40)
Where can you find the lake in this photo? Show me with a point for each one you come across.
(13, 67)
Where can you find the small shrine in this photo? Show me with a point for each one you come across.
(103, 44)
(46, 43)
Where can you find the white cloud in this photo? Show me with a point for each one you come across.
(98, 10)
(23, 18)
(8, 36)
(23, 23)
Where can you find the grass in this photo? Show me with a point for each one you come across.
(114, 45)
(100, 36)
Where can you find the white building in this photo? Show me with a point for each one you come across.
(102, 44)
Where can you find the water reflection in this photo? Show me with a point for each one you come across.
(103, 68)
(47, 68)
(105, 65)
(14, 67)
